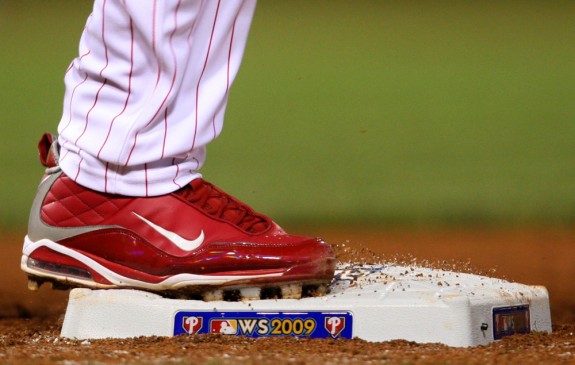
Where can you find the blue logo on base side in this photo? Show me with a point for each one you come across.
(266, 324)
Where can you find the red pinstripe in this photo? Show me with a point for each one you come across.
(165, 131)
(103, 83)
(154, 39)
(177, 173)
(171, 86)
(90, 111)
(197, 162)
(103, 36)
(230, 56)
(78, 171)
(71, 102)
(106, 178)
(129, 89)
(63, 157)
(72, 64)
(146, 177)
(202, 73)
(125, 102)
(227, 74)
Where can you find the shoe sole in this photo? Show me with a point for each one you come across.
(182, 286)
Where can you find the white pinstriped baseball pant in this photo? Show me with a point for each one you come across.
(148, 91)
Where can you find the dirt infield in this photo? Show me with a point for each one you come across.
(30, 322)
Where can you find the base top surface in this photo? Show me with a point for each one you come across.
(373, 302)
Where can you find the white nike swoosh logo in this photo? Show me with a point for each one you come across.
(181, 242)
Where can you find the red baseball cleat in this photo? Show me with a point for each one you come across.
(197, 242)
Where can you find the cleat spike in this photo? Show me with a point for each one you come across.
(315, 290)
(232, 295)
(291, 291)
(321, 290)
(58, 285)
(250, 294)
(33, 284)
(271, 293)
(213, 295)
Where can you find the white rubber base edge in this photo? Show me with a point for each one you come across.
(374, 303)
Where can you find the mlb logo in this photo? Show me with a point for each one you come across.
(224, 326)
(334, 325)
(192, 324)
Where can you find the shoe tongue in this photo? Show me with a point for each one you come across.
(217, 203)
(48, 150)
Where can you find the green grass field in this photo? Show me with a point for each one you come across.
(351, 111)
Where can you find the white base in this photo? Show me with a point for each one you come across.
(375, 303)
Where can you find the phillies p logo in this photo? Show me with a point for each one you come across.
(334, 325)
(192, 324)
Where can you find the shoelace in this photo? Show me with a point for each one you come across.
(219, 204)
